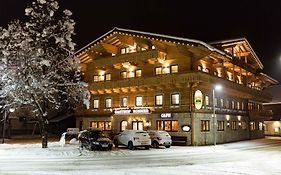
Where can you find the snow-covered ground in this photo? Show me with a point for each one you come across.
(255, 157)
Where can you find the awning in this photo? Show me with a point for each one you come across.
(60, 118)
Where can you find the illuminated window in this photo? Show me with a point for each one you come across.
(123, 50)
(175, 99)
(96, 78)
(260, 126)
(232, 104)
(138, 73)
(123, 125)
(207, 70)
(200, 67)
(220, 125)
(227, 103)
(107, 77)
(153, 47)
(158, 70)
(166, 70)
(215, 101)
(207, 103)
(253, 126)
(175, 68)
(124, 101)
(242, 105)
(238, 105)
(139, 101)
(137, 125)
(243, 125)
(103, 125)
(215, 73)
(101, 78)
(108, 103)
(234, 125)
(205, 125)
(168, 125)
(131, 74)
(222, 104)
(123, 74)
(159, 100)
(96, 103)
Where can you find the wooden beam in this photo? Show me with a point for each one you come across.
(110, 48)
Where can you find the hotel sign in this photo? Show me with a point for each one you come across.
(166, 115)
(127, 111)
(198, 99)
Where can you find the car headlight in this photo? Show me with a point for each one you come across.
(96, 143)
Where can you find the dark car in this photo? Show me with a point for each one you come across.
(93, 139)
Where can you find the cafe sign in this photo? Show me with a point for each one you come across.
(166, 115)
(128, 111)
(198, 99)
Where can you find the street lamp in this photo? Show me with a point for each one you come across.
(216, 88)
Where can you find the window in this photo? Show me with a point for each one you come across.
(200, 67)
(166, 70)
(215, 73)
(260, 126)
(139, 101)
(124, 101)
(216, 102)
(96, 103)
(242, 105)
(159, 100)
(175, 99)
(234, 125)
(123, 125)
(96, 78)
(124, 74)
(243, 125)
(207, 70)
(220, 125)
(101, 78)
(222, 104)
(253, 126)
(103, 125)
(107, 77)
(138, 73)
(168, 125)
(137, 125)
(232, 104)
(175, 68)
(130, 74)
(238, 105)
(205, 125)
(108, 103)
(123, 50)
(158, 70)
(227, 103)
(207, 103)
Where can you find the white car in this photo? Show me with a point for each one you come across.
(160, 138)
(132, 139)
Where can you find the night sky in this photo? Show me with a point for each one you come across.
(210, 20)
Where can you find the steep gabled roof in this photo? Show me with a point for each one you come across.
(153, 35)
(237, 41)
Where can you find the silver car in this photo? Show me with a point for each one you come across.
(160, 138)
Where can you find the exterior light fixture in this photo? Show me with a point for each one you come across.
(186, 128)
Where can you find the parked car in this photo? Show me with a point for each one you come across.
(160, 138)
(132, 139)
(93, 139)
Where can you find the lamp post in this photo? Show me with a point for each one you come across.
(217, 87)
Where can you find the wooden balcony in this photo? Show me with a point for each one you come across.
(135, 57)
(171, 81)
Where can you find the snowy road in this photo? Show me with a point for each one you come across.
(261, 156)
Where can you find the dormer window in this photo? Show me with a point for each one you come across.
(199, 68)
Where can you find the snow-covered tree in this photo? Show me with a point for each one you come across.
(37, 62)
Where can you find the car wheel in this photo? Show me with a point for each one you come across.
(110, 148)
(147, 147)
(155, 144)
(130, 145)
(168, 146)
(116, 143)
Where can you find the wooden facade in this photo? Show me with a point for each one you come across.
(142, 80)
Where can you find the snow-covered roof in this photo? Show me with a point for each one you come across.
(243, 39)
(167, 37)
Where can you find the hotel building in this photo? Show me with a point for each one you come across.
(141, 81)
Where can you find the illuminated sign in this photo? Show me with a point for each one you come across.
(198, 99)
(126, 111)
(166, 115)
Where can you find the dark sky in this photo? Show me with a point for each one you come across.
(209, 20)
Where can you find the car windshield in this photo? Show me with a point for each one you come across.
(163, 134)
